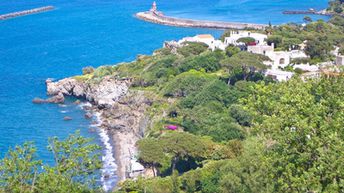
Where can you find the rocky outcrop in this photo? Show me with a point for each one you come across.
(58, 98)
(122, 112)
(103, 94)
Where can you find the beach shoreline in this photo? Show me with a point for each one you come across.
(119, 114)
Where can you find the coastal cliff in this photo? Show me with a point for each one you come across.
(121, 112)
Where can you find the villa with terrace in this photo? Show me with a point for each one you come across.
(278, 59)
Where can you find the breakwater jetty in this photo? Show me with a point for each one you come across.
(151, 17)
(26, 12)
(155, 16)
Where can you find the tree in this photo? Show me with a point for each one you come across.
(77, 164)
(151, 154)
(76, 159)
(210, 62)
(318, 48)
(172, 148)
(307, 19)
(227, 33)
(184, 145)
(338, 9)
(192, 48)
(19, 169)
(302, 123)
(249, 172)
(232, 50)
(187, 83)
(275, 39)
(246, 40)
(243, 66)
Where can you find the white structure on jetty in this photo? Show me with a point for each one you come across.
(236, 35)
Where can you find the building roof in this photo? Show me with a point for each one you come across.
(205, 36)
(277, 72)
(136, 166)
(305, 67)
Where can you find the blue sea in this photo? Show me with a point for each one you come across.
(81, 33)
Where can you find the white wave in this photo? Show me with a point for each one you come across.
(64, 111)
(85, 104)
(109, 177)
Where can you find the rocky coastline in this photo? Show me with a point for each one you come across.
(121, 112)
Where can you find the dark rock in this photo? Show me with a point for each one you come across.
(92, 130)
(87, 108)
(106, 176)
(118, 127)
(38, 101)
(59, 98)
(77, 102)
(88, 115)
(67, 118)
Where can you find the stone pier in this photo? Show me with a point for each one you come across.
(25, 12)
(151, 16)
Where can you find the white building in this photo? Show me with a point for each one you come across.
(236, 35)
(136, 169)
(279, 75)
(307, 67)
(207, 39)
(340, 60)
(297, 54)
(279, 58)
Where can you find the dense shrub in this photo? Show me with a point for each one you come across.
(187, 83)
(210, 62)
(246, 40)
(87, 70)
(103, 71)
(192, 48)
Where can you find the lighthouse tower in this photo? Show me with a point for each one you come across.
(154, 7)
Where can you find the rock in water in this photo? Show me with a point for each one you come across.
(59, 98)
(77, 102)
(38, 101)
(67, 118)
(88, 115)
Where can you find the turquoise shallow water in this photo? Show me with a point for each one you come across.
(79, 33)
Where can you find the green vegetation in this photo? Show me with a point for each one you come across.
(75, 169)
(336, 6)
(235, 130)
(252, 134)
(246, 40)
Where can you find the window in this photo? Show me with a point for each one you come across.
(282, 61)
